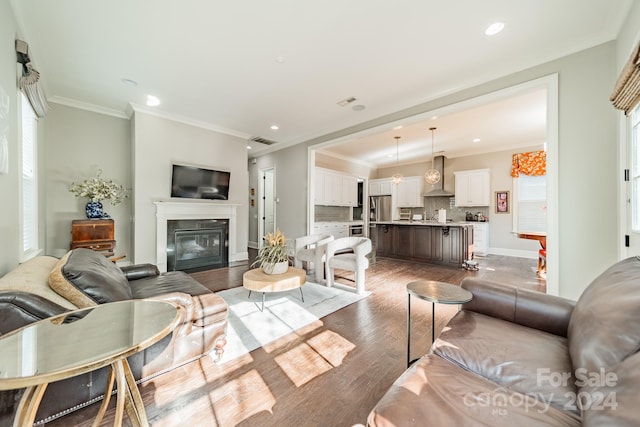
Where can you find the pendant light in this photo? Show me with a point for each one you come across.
(432, 175)
(397, 177)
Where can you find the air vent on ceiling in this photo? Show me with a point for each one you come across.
(262, 140)
(347, 101)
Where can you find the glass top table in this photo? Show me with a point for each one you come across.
(435, 292)
(82, 341)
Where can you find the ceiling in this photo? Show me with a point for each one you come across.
(513, 122)
(241, 67)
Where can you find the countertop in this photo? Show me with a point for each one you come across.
(330, 223)
(425, 223)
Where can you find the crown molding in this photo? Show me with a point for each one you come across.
(87, 106)
(137, 108)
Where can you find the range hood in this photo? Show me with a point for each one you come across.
(437, 189)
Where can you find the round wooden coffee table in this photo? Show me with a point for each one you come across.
(257, 280)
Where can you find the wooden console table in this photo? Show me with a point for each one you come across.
(94, 234)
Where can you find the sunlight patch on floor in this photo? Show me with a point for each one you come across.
(302, 364)
(333, 347)
(241, 398)
(282, 342)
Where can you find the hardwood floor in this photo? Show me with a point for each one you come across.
(331, 373)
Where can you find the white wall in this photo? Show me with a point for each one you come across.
(9, 233)
(157, 144)
(79, 142)
(291, 189)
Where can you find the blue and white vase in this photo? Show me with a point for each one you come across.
(94, 210)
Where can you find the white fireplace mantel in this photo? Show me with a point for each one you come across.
(172, 210)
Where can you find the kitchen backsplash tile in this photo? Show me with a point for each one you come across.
(432, 204)
(332, 213)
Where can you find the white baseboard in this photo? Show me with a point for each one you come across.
(253, 245)
(514, 252)
(239, 256)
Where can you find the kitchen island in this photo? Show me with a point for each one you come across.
(448, 244)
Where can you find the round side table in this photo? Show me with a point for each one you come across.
(259, 281)
(435, 292)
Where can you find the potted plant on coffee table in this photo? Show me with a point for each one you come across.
(273, 256)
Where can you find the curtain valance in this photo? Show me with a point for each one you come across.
(626, 94)
(29, 81)
(533, 163)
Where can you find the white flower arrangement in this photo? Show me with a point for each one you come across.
(98, 189)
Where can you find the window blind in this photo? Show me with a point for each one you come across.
(531, 203)
(29, 183)
(626, 94)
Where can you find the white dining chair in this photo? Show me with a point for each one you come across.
(354, 259)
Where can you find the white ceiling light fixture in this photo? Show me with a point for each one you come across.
(432, 175)
(274, 127)
(152, 101)
(397, 177)
(494, 28)
(476, 139)
(358, 107)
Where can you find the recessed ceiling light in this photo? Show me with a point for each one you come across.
(152, 101)
(494, 28)
(476, 139)
(434, 117)
(275, 127)
(129, 82)
(279, 59)
(358, 107)
(248, 147)
(397, 127)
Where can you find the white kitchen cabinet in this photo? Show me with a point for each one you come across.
(336, 229)
(473, 187)
(350, 190)
(480, 238)
(380, 187)
(333, 188)
(409, 192)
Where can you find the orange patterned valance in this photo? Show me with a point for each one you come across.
(533, 163)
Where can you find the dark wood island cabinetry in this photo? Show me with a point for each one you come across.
(446, 244)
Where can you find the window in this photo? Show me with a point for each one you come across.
(635, 169)
(29, 183)
(530, 207)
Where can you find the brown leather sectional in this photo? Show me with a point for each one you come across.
(99, 281)
(514, 357)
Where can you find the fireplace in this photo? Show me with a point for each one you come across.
(168, 210)
(195, 245)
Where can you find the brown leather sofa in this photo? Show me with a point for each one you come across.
(85, 278)
(513, 357)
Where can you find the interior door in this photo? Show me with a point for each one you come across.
(269, 216)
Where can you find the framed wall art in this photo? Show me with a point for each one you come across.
(502, 202)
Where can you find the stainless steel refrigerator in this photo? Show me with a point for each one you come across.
(380, 208)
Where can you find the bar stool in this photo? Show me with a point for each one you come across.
(542, 263)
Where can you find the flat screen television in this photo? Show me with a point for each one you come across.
(199, 183)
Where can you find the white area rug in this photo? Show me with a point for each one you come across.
(284, 312)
